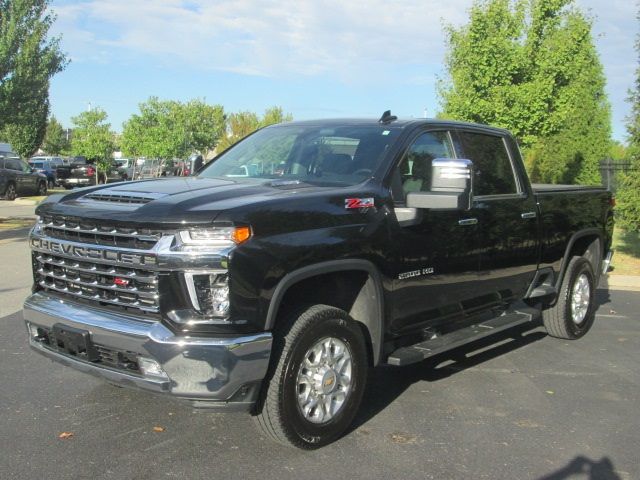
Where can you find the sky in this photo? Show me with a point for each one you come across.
(315, 59)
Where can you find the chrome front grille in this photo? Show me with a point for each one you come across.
(92, 280)
(96, 233)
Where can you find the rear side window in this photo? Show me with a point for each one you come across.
(493, 172)
(13, 164)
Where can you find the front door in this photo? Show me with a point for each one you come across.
(436, 276)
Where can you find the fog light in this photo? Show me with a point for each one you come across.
(151, 367)
(209, 293)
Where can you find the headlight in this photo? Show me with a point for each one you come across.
(200, 239)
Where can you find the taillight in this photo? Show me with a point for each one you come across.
(186, 172)
(612, 201)
(91, 171)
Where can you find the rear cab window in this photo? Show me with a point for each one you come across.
(493, 169)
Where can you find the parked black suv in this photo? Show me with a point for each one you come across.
(18, 179)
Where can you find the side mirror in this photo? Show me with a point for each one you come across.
(451, 186)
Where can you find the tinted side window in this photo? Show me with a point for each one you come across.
(13, 164)
(414, 171)
(493, 172)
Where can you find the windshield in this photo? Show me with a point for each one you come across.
(39, 165)
(330, 156)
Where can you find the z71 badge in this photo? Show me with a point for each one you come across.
(350, 203)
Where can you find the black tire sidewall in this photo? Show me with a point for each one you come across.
(11, 193)
(309, 433)
(581, 266)
(42, 188)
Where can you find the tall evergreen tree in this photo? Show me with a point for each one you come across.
(531, 66)
(628, 194)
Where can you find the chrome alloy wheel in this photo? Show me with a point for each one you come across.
(324, 380)
(580, 299)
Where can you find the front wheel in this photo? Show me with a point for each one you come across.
(574, 313)
(42, 188)
(316, 380)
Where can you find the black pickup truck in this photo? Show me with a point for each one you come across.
(307, 254)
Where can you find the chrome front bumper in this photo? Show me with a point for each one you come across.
(211, 372)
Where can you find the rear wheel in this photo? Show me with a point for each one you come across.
(316, 380)
(42, 188)
(10, 193)
(574, 313)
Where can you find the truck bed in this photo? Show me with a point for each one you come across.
(556, 188)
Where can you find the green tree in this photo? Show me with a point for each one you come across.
(241, 124)
(28, 60)
(531, 66)
(55, 138)
(628, 194)
(617, 151)
(170, 129)
(93, 139)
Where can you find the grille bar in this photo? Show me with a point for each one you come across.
(112, 232)
(92, 280)
(114, 301)
(78, 281)
(98, 233)
(98, 268)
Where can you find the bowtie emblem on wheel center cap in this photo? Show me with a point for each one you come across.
(328, 381)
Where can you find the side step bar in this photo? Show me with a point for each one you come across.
(420, 351)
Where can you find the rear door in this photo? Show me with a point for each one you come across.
(506, 213)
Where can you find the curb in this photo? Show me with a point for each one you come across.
(18, 217)
(622, 282)
(24, 202)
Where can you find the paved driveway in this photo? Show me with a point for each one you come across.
(527, 407)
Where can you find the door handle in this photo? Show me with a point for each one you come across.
(468, 221)
(529, 215)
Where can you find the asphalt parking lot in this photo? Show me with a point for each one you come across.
(526, 407)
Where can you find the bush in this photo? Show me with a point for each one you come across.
(628, 201)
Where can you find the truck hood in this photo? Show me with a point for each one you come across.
(167, 201)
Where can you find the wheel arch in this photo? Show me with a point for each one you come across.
(367, 299)
(588, 243)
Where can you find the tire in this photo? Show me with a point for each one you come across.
(42, 188)
(574, 313)
(10, 192)
(281, 406)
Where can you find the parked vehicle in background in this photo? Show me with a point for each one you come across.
(185, 168)
(79, 173)
(121, 168)
(18, 179)
(46, 166)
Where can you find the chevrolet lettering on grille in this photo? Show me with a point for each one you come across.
(92, 253)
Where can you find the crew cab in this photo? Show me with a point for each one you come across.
(344, 244)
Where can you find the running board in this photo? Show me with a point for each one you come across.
(420, 351)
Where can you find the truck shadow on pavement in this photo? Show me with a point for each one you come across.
(14, 234)
(585, 468)
(387, 383)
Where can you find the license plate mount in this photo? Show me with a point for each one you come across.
(75, 342)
